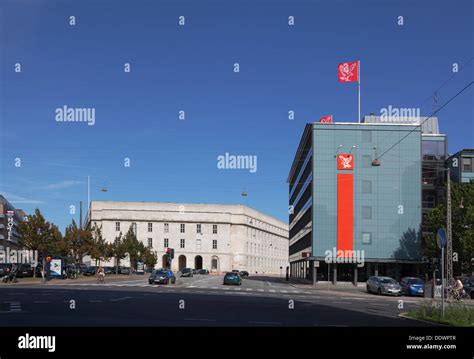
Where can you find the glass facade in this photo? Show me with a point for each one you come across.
(386, 198)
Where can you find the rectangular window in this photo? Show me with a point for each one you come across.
(167, 227)
(117, 226)
(166, 243)
(214, 244)
(366, 186)
(150, 242)
(150, 227)
(198, 244)
(182, 228)
(366, 136)
(366, 238)
(467, 164)
(366, 212)
(214, 228)
(366, 161)
(182, 243)
(198, 228)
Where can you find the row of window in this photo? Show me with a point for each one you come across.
(182, 243)
(166, 227)
(255, 248)
(266, 226)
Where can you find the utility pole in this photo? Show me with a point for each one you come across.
(80, 215)
(449, 249)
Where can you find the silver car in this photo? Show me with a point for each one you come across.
(383, 285)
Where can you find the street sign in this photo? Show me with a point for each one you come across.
(441, 238)
(316, 264)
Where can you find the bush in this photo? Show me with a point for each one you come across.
(457, 314)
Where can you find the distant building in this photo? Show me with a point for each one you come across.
(461, 165)
(341, 199)
(10, 218)
(204, 236)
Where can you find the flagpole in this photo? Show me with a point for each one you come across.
(358, 69)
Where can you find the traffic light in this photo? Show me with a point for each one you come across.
(170, 253)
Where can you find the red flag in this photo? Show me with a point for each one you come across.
(348, 71)
(326, 119)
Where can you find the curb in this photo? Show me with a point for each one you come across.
(405, 316)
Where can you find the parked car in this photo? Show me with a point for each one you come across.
(91, 270)
(232, 278)
(383, 285)
(203, 271)
(124, 270)
(195, 271)
(108, 270)
(244, 273)
(186, 272)
(468, 285)
(412, 286)
(4, 269)
(162, 276)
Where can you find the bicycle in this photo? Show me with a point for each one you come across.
(456, 295)
(100, 278)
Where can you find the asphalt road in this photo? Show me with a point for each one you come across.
(197, 301)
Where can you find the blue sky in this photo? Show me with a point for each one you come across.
(190, 68)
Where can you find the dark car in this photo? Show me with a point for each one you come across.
(412, 286)
(383, 285)
(244, 273)
(186, 272)
(91, 270)
(124, 270)
(203, 271)
(109, 270)
(162, 276)
(195, 271)
(232, 278)
(468, 286)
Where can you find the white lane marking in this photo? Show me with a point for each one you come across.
(283, 291)
(120, 299)
(248, 289)
(272, 291)
(15, 307)
(260, 290)
(237, 288)
(226, 288)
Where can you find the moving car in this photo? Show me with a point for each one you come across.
(186, 272)
(162, 276)
(203, 271)
(91, 270)
(412, 286)
(244, 273)
(383, 285)
(468, 285)
(232, 278)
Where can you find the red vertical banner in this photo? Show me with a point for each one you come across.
(345, 211)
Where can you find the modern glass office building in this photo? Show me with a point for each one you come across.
(356, 188)
(461, 165)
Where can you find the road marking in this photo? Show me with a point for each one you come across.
(283, 291)
(260, 290)
(270, 284)
(249, 289)
(237, 288)
(226, 288)
(120, 299)
(15, 307)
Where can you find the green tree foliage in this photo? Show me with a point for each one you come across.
(462, 214)
(118, 251)
(80, 241)
(133, 247)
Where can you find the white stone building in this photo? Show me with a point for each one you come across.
(211, 236)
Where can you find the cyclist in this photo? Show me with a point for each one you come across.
(457, 289)
(100, 274)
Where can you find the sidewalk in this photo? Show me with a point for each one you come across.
(80, 279)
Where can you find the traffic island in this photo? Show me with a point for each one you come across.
(455, 314)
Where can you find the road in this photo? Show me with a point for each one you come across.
(197, 301)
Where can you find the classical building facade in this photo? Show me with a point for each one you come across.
(204, 236)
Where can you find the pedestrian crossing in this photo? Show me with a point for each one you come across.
(192, 287)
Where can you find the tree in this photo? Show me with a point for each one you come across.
(98, 245)
(79, 239)
(149, 258)
(117, 250)
(37, 234)
(133, 247)
(462, 218)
